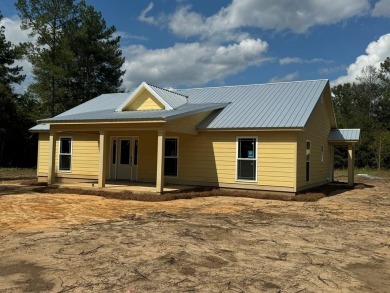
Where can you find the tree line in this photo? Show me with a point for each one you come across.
(76, 57)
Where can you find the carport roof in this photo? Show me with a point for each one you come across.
(344, 135)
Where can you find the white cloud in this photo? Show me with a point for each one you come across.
(376, 53)
(382, 8)
(297, 16)
(295, 60)
(190, 63)
(148, 19)
(16, 35)
(288, 77)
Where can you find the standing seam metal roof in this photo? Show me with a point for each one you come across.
(272, 105)
(344, 135)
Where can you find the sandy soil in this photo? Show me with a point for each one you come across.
(79, 243)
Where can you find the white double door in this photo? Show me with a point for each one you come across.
(124, 158)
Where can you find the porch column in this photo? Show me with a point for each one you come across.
(331, 163)
(351, 164)
(102, 159)
(52, 157)
(160, 161)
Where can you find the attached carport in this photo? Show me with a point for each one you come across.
(344, 137)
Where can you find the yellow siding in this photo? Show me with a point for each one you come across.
(85, 155)
(186, 124)
(211, 157)
(43, 153)
(317, 131)
(144, 101)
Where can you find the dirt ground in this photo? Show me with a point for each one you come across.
(81, 243)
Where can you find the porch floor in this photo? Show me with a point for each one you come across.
(135, 187)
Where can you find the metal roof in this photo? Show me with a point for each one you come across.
(344, 135)
(272, 105)
(175, 100)
(111, 115)
(40, 127)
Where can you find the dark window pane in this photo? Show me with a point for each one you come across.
(170, 167)
(65, 162)
(170, 147)
(246, 169)
(247, 148)
(307, 171)
(65, 146)
(114, 151)
(125, 152)
(136, 152)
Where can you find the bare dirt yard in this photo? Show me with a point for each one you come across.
(82, 243)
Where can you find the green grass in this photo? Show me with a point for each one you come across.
(17, 173)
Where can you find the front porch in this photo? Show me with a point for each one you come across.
(118, 186)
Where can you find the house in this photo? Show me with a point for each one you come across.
(275, 136)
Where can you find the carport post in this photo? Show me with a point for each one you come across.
(52, 157)
(351, 164)
(160, 161)
(102, 159)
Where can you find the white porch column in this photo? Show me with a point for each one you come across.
(52, 157)
(351, 164)
(331, 164)
(160, 161)
(102, 160)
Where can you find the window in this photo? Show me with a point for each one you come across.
(308, 154)
(114, 152)
(247, 159)
(125, 152)
(170, 157)
(65, 157)
(322, 153)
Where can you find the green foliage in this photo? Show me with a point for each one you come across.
(75, 57)
(16, 144)
(366, 105)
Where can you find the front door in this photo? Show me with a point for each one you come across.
(124, 158)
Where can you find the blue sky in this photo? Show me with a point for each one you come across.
(210, 43)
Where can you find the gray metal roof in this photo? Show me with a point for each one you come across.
(175, 100)
(111, 115)
(344, 135)
(272, 105)
(40, 127)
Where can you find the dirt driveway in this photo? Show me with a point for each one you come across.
(79, 243)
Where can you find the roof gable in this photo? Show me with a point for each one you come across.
(149, 97)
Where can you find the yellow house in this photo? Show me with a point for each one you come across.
(276, 136)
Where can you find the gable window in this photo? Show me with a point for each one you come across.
(170, 157)
(247, 159)
(308, 154)
(65, 154)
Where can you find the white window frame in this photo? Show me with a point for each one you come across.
(59, 153)
(177, 156)
(256, 158)
(306, 161)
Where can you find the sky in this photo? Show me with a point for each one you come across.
(183, 44)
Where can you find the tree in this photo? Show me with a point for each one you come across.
(14, 136)
(75, 57)
(97, 57)
(47, 20)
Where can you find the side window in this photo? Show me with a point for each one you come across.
(170, 157)
(65, 154)
(322, 153)
(246, 159)
(308, 155)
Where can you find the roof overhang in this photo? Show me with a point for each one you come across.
(344, 136)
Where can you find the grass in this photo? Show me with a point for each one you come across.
(370, 171)
(17, 173)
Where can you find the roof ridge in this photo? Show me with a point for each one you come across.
(252, 84)
(168, 90)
